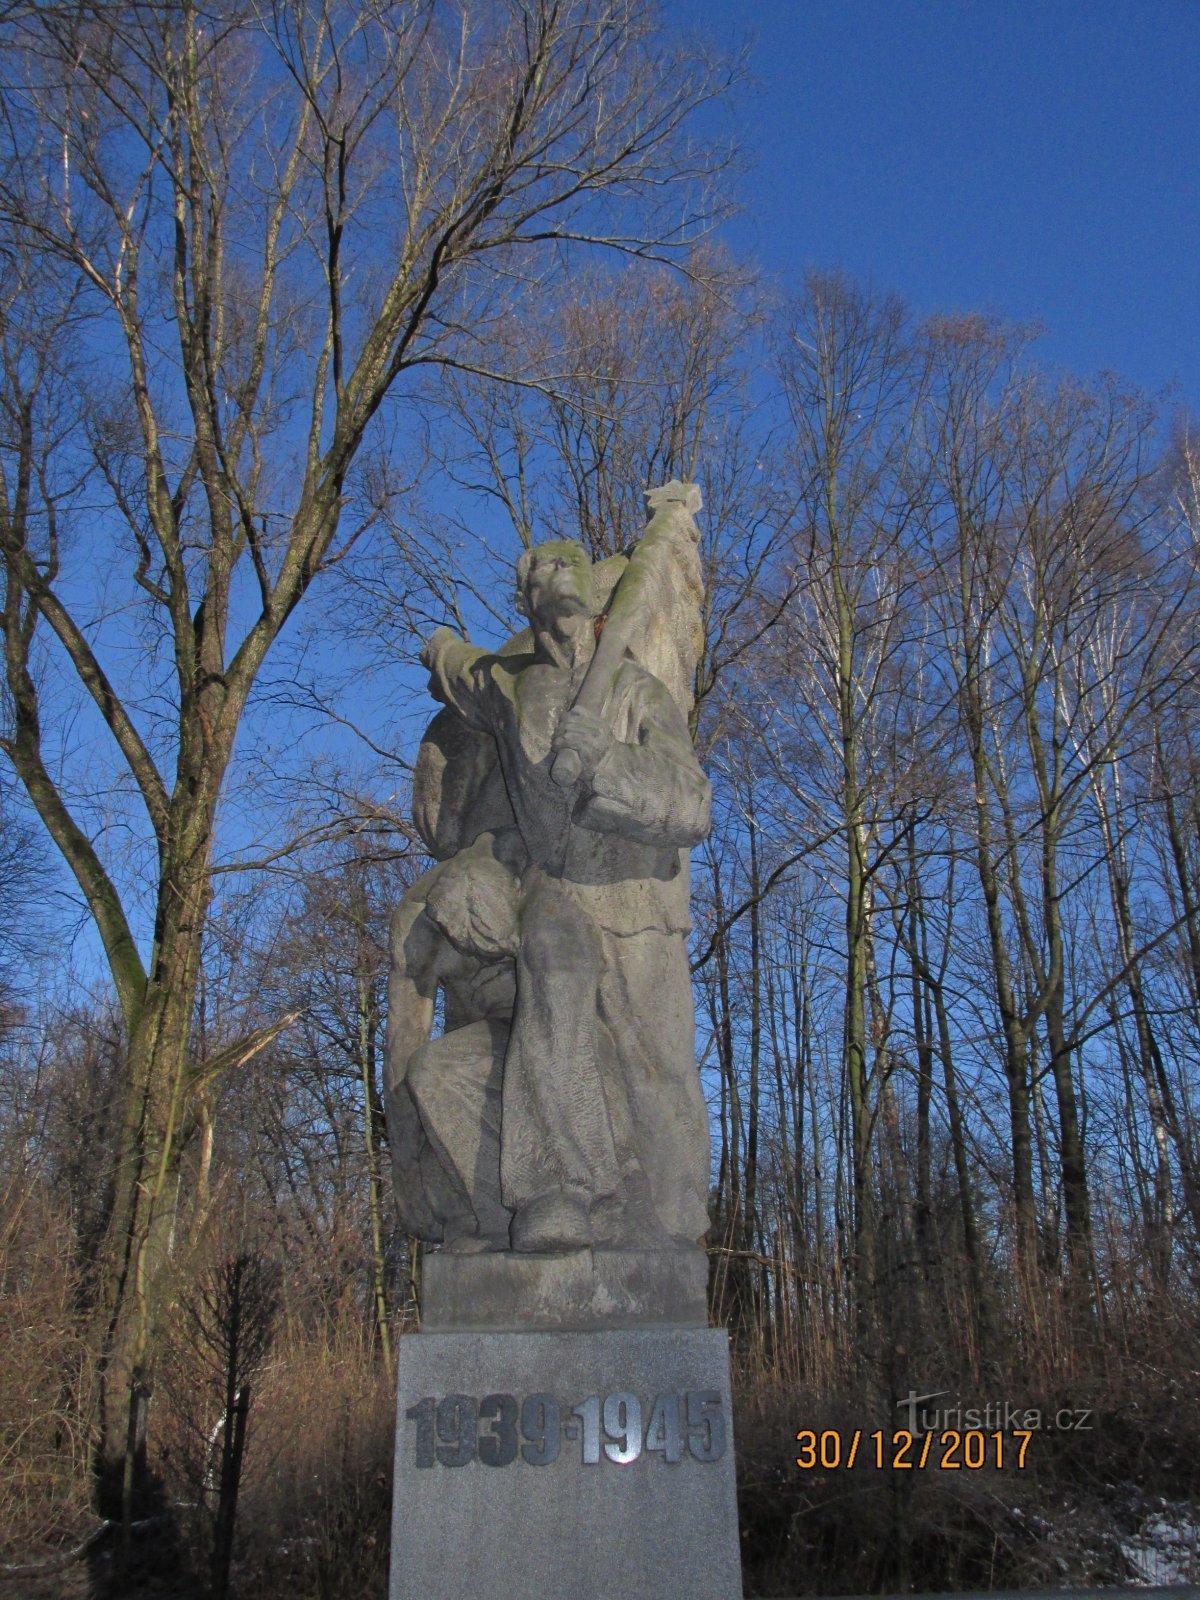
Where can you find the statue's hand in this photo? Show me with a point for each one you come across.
(433, 647)
(588, 738)
(432, 652)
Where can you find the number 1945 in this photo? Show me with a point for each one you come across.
(457, 1429)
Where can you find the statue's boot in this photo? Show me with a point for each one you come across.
(558, 1220)
(627, 1220)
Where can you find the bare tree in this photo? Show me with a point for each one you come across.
(228, 235)
(619, 381)
(22, 878)
(853, 381)
(1057, 639)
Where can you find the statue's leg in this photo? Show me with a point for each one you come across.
(443, 1098)
(412, 987)
(557, 1154)
(645, 1001)
(455, 1082)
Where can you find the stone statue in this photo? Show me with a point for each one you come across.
(559, 1108)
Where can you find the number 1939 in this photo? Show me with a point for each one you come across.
(458, 1429)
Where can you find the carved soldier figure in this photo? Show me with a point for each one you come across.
(561, 1106)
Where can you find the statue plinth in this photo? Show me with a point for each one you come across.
(577, 1292)
(570, 1466)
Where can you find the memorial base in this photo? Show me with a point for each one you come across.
(565, 1464)
(580, 1291)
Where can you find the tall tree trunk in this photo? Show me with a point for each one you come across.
(1050, 971)
(752, 1231)
(141, 1229)
(919, 999)
(373, 1124)
(1015, 1039)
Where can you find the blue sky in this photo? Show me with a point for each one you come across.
(1033, 158)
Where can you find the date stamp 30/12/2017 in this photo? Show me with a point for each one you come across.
(950, 1450)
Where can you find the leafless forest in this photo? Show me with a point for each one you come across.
(311, 316)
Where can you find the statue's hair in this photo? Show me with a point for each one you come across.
(526, 558)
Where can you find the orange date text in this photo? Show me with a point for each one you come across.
(971, 1450)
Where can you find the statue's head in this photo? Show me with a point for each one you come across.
(554, 581)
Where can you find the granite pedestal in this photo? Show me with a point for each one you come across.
(582, 1462)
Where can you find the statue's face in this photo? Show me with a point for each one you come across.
(556, 582)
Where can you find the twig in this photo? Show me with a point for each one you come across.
(57, 1563)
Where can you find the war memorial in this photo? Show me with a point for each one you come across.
(563, 1416)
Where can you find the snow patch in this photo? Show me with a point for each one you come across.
(1166, 1549)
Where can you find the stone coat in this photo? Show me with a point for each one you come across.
(601, 1093)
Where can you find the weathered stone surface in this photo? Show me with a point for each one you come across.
(581, 1290)
(560, 1110)
(642, 1527)
(564, 1415)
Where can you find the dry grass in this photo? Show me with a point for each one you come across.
(47, 1382)
(314, 1513)
(316, 1500)
(1059, 1520)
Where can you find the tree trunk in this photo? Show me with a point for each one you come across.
(141, 1229)
(373, 1122)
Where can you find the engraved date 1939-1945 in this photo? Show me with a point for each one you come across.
(500, 1429)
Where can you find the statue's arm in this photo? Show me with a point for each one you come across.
(458, 676)
(652, 790)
